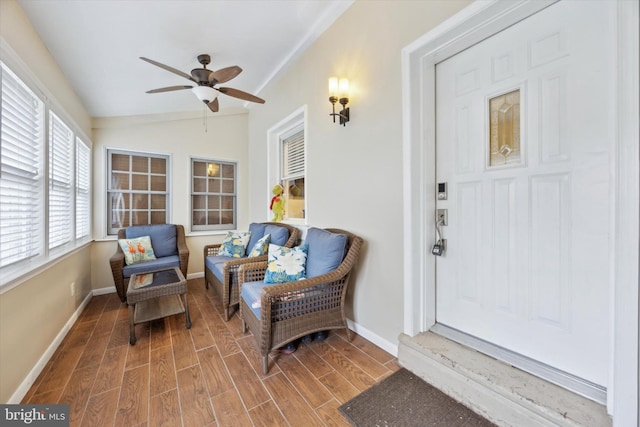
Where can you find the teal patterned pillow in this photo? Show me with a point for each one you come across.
(235, 244)
(261, 247)
(286, 264)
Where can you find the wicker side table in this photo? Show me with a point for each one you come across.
(155, 295)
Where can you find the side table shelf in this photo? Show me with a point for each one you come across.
(155, 295)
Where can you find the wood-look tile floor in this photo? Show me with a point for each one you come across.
(208, 375)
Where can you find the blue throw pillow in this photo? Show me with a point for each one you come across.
(285, 264)
(257, 232)
(326, 251)
(261, 247)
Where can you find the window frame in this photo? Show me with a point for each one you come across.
(292, 137)
(286, 127)
(15, 272)
(192, 193)
(113, 231)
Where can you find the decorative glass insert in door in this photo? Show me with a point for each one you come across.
(504, 129)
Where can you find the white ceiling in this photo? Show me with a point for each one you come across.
(97, 44)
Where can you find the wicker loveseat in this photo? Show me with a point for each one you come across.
(278, 314)
(221, 271)
(169, 245)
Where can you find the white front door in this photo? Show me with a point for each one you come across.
(525, 131)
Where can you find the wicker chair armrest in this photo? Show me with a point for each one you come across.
(117, 262)
(183, 248)
(212, 250)
(252, 271)
(235, 264)
(281, 290)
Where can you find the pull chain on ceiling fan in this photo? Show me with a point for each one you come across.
(206, 81)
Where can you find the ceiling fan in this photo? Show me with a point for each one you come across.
(206, 81)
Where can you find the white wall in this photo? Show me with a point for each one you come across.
(354, 173)
(182, 135)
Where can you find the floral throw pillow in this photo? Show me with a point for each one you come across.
(235, 244)
(261, 247)
(286, 264)
(137, 250)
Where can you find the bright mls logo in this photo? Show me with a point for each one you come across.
(36, 415)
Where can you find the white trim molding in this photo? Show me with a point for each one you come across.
(480, 20)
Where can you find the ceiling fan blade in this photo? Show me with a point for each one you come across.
(213, 105)
(240, 94)
(169, 89)
(224, 74)
(166, 67)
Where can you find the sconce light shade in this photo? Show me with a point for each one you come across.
(339, 92)
(333, 86)
(343, 88)
(205, 94)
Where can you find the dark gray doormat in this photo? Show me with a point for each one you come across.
(404, 399)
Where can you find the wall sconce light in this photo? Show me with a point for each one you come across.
(339, 92)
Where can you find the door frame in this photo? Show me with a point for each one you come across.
(475, 23)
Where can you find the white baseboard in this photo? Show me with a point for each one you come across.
(195, 275)
(104, 291)
(22, 390)
(387, 346)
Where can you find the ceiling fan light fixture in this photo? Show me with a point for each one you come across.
(205, 94)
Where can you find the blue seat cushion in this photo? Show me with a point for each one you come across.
(157, 264)
(257, 232)
(250, 293)
(163, 237)
(325, 251)
(279, 235)
(215, 264)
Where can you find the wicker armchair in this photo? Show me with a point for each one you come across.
(292, 310)
(117, 261)
(228, 289)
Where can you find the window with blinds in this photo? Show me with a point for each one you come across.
(83, 190)
(293, 171)
(60, 182)
(45, 181)
(213, 195)
(21, 154)
(138, 189)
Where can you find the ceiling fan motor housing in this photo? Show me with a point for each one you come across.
(201, 75)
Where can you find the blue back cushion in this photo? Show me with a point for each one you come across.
(325, 251)
(279, 235)
(163, 237)
(257, 231)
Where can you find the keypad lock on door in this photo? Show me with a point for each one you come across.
(440, 246)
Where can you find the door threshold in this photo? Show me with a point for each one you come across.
(563, 379)
(504, 394)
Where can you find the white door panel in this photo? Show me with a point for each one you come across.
(527, 263)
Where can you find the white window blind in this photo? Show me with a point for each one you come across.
(21, 126)
(293, 156)
(60, 182)
(83, 186)
(293, 171)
